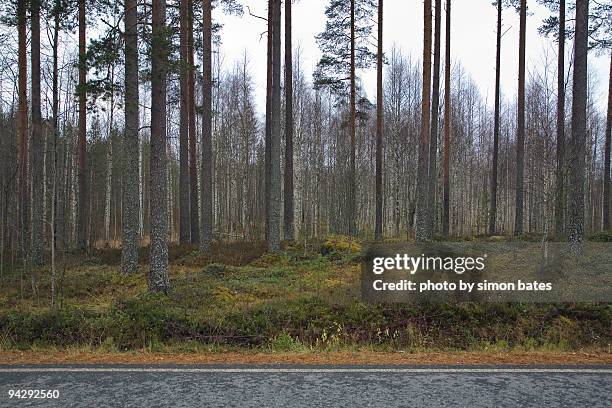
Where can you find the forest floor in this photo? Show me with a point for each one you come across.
(240, 304)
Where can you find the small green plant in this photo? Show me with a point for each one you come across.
(215, 269)
(285, 342)
(108, 345)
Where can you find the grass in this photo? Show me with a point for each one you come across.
(241, 298)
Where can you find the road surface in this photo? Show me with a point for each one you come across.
(304, 386)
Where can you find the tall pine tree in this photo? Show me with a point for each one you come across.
(131, 193)
(158, 274)
(423, 233)
(345, 48)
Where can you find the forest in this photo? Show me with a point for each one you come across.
(140, 135)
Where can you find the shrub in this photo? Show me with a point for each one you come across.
(138, 321)
(601, 236)
(340, 243)
(285, 342)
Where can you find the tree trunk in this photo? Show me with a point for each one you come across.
(579, 109)
(131, 181)
(158, 275)
(447, 119)
(22, 129)
(83, 201)
(560, 170)
(520, 133)
(378, 229)
(184, 210)
(493, 211)
(268, 136)
(275, 130)
(55, 185)
(38, 228)
(422, 230)
(606, 192)
(53, 235)
(207, 176)
(58, 221)
(352, 196)
(433, 141)
(109, 158)
(288, 191)
(193, 163)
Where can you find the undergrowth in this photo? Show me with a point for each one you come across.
(303, 299)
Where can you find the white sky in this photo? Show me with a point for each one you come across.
(473, 41)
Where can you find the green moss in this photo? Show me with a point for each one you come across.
(340, 243)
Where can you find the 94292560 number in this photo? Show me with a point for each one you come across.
(35, 394)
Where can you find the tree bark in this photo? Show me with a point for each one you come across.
(194, 206)
(422, 230)
(207, 176)
(435, 103)
(58, 221)
(575, 221)
(109, 157)
(22, 129)
(83, 201)
(275, 130)
(560, 169)
(378, 229)
(606, 192)
(288, 190)
(447, 119)
(352, 194)
(184, 209)
(38, 228)
(158, 275)
(493, 211)
(131, 180)
(268, 136)
(520, 133)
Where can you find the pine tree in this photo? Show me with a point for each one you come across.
(22, 130)
(378, 229)
(268, 125)
(83, 201)
(599, 38)
(520, 133)
(344, 45)
(288, 187)
(560, 170)
(435, 103)
(131, 191)
(606, 192)
(207, 177)
(275, 129)
(575, 219)
(158, 274)
(184, 205)
(37, 140)
(194, 202)
(422, 230)
(494, 162)
(447, 124)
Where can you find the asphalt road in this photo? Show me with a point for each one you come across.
(295, 386)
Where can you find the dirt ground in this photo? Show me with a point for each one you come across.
(331, 358)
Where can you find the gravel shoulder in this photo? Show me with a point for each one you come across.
(310, 358)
